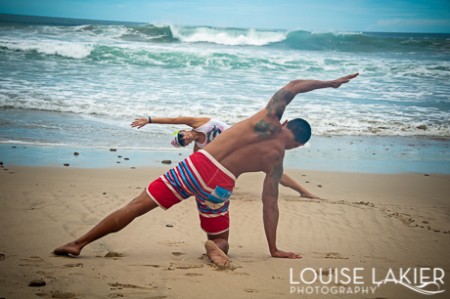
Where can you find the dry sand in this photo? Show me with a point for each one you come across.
(365, 221)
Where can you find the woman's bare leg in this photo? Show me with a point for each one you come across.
(287, 181)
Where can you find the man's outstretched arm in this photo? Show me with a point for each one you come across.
(282, 98)
(271, 213)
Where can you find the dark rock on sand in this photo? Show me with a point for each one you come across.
(37, 283)
(166, 161)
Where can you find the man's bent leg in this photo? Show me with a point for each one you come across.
(217, 248)
(114, 222)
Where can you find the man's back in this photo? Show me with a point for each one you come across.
(254, 144)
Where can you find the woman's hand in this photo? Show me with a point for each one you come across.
(139, 122)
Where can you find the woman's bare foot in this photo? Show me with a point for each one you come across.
(216, 255)
(309, 195)
(70, 249)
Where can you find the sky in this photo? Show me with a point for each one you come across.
(313, 15)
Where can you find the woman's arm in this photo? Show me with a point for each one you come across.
(193, 122)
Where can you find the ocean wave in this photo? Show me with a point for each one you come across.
(295, 39)
(366, 42)
(74, 50)
(78, 41)
(228, 37)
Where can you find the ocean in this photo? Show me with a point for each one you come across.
(70, 85)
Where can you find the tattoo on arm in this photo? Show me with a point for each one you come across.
(278, 171)
(278, 103)
(276, 176)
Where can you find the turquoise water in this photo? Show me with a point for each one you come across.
(66, 83)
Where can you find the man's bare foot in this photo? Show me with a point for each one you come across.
(216, 255)
(70, 249)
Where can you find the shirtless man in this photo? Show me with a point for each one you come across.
(204, 130)
(255, 144)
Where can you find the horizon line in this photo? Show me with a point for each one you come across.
(112, 22)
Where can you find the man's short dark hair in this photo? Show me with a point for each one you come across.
(301, 129)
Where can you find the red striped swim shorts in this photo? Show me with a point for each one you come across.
(199, 175)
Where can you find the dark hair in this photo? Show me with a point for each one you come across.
(301, 129)
(180, 138)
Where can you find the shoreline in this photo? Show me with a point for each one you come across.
(354, 154)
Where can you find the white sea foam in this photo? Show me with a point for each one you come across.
(49, 47)
(250, 37)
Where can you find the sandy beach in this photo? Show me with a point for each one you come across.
(375, 223)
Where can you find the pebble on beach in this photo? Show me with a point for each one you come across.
(37, 283)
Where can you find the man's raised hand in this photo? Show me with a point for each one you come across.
(338, 82)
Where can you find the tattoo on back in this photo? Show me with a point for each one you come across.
(278, 103)
(265, 129)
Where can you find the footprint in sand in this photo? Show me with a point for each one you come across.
(145, 265)
(119, 286)
(113, 254)
(73, 265)
(330, 255)
(172, 243)
(63, 295)
(186, 267)
(32, 261)
(193, 274)
(335, 255)
(176, 253)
